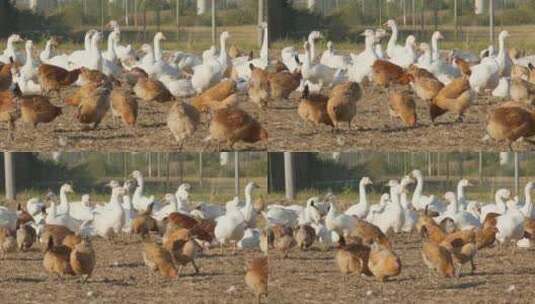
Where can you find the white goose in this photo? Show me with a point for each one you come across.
(408, 57)
(250, 240)
(499, 207)
(140, 201)
(242, 64)
(505, 63)
(527, 209)
(462, 219)
(510, 225)
(341, 223)
(248, 211)
(77, 58)
(310, 214)
(110, 221)
(392, 217)
(94, 59)
(83, 210)
(110, 64)
(176, 203)
(128, 207)
(11, 50)
(392, 48)
(280, 215)
(420, 201)
(178, 87)
(461, 196)
(410, 217)
(29, 69)
(230, 227)
(185, 60)
(361, 209)
(64, 201)
(333, 60)
(26, 85)
(161, 67)
(49, 56)
(378, 208)
(34, 206)
(208, 211)
(289, 54)
(48, 52)
(208, 74)
(319, 74)
(122, 52)
(362, 63)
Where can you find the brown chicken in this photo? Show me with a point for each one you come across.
(352, 258)
(82, 93)
(305, 236)
(511, 123)
(522, 90)
(463, 66)
(149, 89)
(212, 98)
(234, 125)
(313, 108)
(5, 74)
(183, 248)
(82, 259)
(8, 242)
(462, 245)
(402, 105)
(259, 87)
(57, 258)
(369, 234)
(124, 105)
(383, 262)
(257, 277)
(56, 232)
(159, 259)
(54, 78)
(386, 73)
(183, 120)
(438, 258)
(9, 111)
(342, 104)
(283, 83)
(485, 237)
(94, 106)
(425, 87)
(144, 223)
(26, 236)
(35, 109)
(455, 97)
(284, 239)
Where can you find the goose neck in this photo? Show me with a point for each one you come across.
(264, 52)
(29, 57)
(434, 45)
(502, 46)
(394, 38)
(87, 41)
(362, 194)
(63, 197)
(312, 48)
(418, 190)
(157, 49)
(223, 51)
(528, 205)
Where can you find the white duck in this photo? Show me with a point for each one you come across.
(140, 201)
(343, 224)
(11, 50)
(361, 209)
(208, 74)
(78, 57)
(421, 201)
(527, 209)
(501, 196)
(462, 219)
(362, 63)
(510, 225)
(392, 217)
(110, 221)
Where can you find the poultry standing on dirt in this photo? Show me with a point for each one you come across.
(82, 259)
(124, 105)
(283, 83)
(149, 89)
(81, 93)
(217, 97)
(284, 239)
(305, 236)
(183, 120)
(57, 258)
(456, 97)
(57, 232)
(8, 242)
(510, 124)
(352, 258)
(383, 262)
(9, 110)
(35, 109)
(54, 78)
(6, 77)
(425, 87)
(234, 125)
(462, 245)
(342, 104)
(183, 248)
(402, 105)
(26, 236)
(522, 90)
(259, 89)
(159, 259)
(386, 73)
(94, 106)
(369, 234)
(438, 258)
(257, 277)
(313, 108)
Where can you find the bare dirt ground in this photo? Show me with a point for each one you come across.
(121, 277)
(373, 130)
(313, 277)
(151, 132)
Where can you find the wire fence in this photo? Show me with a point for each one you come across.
(341, 172)
(212, 174)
